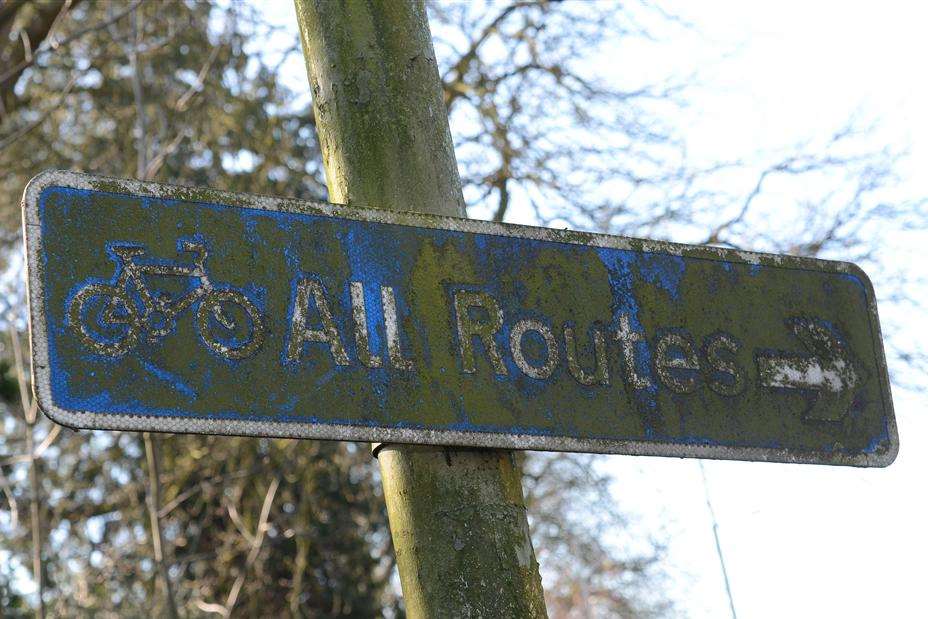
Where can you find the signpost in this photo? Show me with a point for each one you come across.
(176, 309)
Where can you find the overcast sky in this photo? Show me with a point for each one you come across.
(802, 541)
(799, 541)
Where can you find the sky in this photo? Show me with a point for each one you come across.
(798, 540)
(801, 541)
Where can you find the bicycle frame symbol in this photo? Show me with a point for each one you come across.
(155, 314)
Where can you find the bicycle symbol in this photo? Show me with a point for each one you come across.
(97, 310)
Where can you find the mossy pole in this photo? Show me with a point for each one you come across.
(457, 515)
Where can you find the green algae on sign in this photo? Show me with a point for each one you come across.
(190, 310)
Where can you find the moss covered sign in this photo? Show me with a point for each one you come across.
(176, 309)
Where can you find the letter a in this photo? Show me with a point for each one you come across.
(299, 333)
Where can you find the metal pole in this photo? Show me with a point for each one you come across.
(457, 515)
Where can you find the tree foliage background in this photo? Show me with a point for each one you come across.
(179, 91)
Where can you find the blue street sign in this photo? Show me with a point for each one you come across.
(179, 309)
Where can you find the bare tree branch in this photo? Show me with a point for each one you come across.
(10, 499)
(255, 541)
(9, 77)
(19, 57)
(38, 572)
(153, 497)
(16, 135)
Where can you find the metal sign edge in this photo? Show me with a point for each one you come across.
(276, 429)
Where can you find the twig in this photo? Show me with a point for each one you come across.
(210, 607)
(47, 441)
(11, 499)
(184, 100)
(255, 546)
(256, 541)
(25, 64)
(30, 412)
(139, 96)
(26, 457)
(153, 495)
(239, 523)
(199, 487)
(718, 544)
(155, 164)
(56, 105)
(152, 498)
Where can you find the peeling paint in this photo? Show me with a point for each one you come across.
(364, 324)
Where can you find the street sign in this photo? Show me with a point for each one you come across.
(178, 309)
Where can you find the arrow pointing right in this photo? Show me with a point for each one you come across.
(827, 370)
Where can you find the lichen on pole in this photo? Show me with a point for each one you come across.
(457, 515)
(379, 112)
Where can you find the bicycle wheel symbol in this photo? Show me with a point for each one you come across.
(227, 310)
(105, 319)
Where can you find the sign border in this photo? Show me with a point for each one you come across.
(41, 378)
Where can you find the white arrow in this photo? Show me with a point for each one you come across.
(828, 369)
